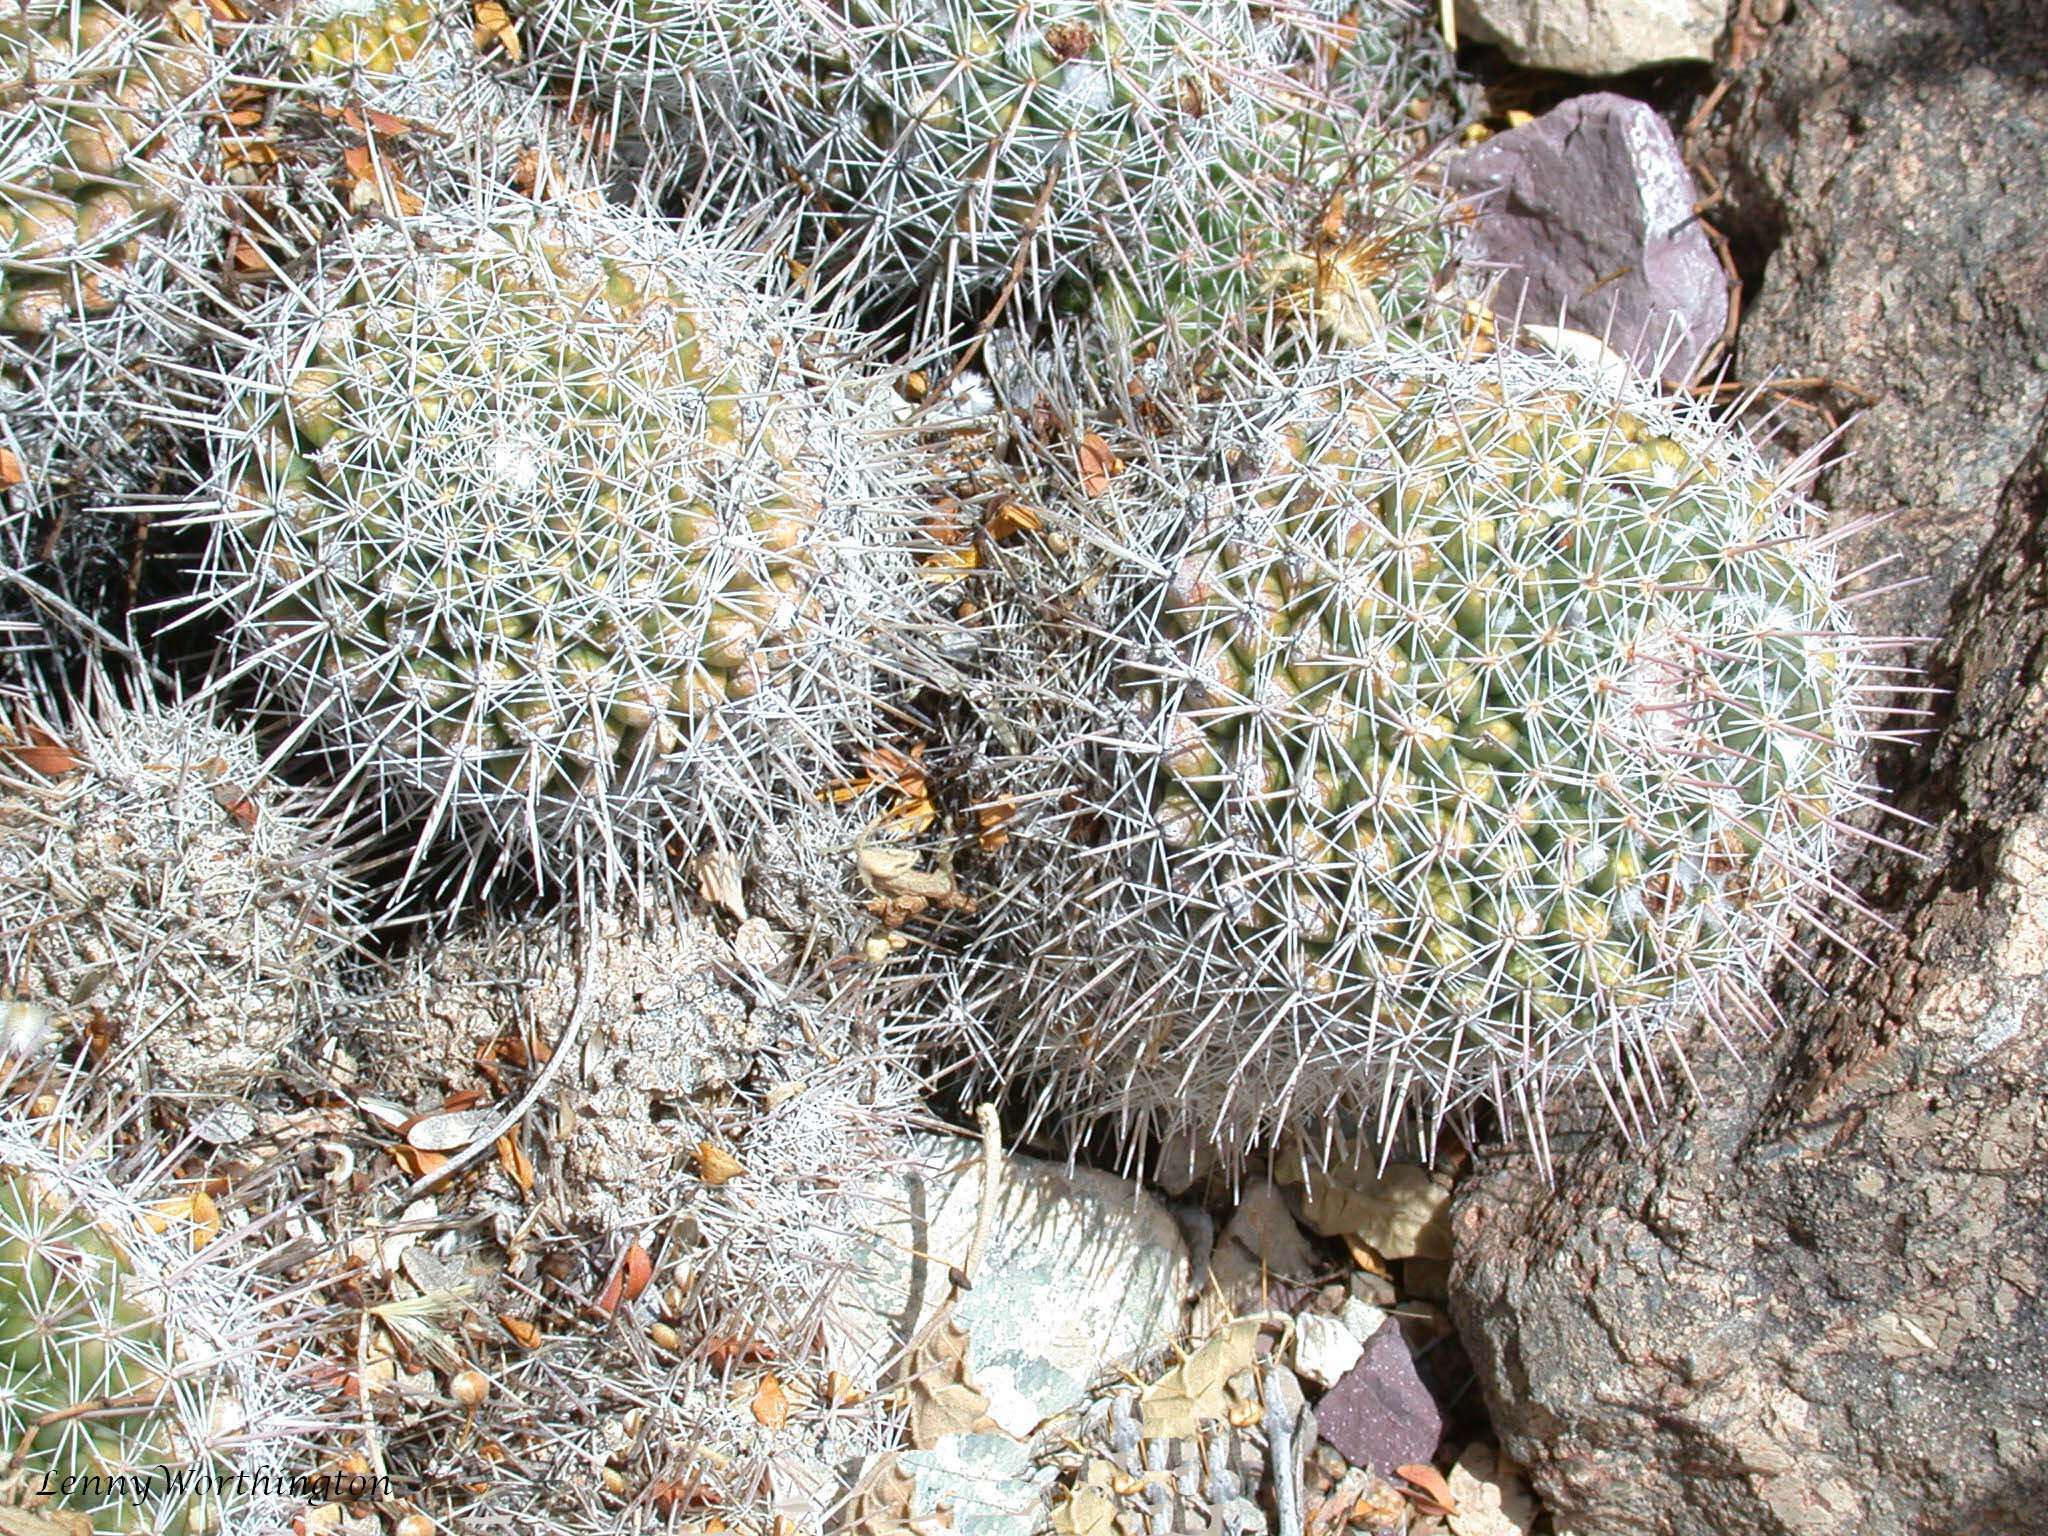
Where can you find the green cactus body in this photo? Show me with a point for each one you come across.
(1348, 246)
(1487, 723)
(1328, 217)
(72, 1334)
(538, 517)
(141, 1386)
(376, 37)
(668, 60)
(98, 123)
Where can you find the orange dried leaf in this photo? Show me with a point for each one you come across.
(417, 1164)
(370, 120)
(638, 1269)
(1435, 1495)
(47, 759)
(1013, 518)
(1097, 464)
(494, 24)
(715, 1165)
(992, 823)
(725, 1349)
(10, 469)
(771, 1403)
(514, 1161)
(523, 1333)
(840, 1390)
(230, 798)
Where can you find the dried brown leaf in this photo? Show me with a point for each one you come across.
(494, 24)
(1435, 1494)
(715, 1165)
(771, 1404)
(1097, 465)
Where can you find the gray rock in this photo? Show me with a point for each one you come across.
(1596, 37)
(1595, 188)
(1892, 160)
(1261, 1263)
(1324, 1348)
(1361, 1319)
(1380, 1415)
(1083, 1271)
(1264, 1228)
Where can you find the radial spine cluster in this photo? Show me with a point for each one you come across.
(157, 881)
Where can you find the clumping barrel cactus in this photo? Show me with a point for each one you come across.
(557, 525)
(1475, 724)
(156, 883)
(374, 38)
(140, 1385)
(674, 71)
(1344, 237)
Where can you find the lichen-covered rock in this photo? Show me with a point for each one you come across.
(1807, 1301)
(1082, 1270)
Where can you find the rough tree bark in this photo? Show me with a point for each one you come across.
(1813, 1301)
(1891, 156)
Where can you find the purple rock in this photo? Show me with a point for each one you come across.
(1594, 188)
(1379, 1415)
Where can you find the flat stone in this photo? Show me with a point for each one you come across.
(1265, 1228)
(980, 1481)
(1324, 1349)
(1360, 1319)
(1083, 1271)
(1403, 1213)
(1596, 37)
(1379, 1415)
(1585, 216)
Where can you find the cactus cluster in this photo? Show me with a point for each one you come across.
(160, 886)
(981, 143)
(1473, 724)
(777, 547)
(142, 1393)
(554, 524)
